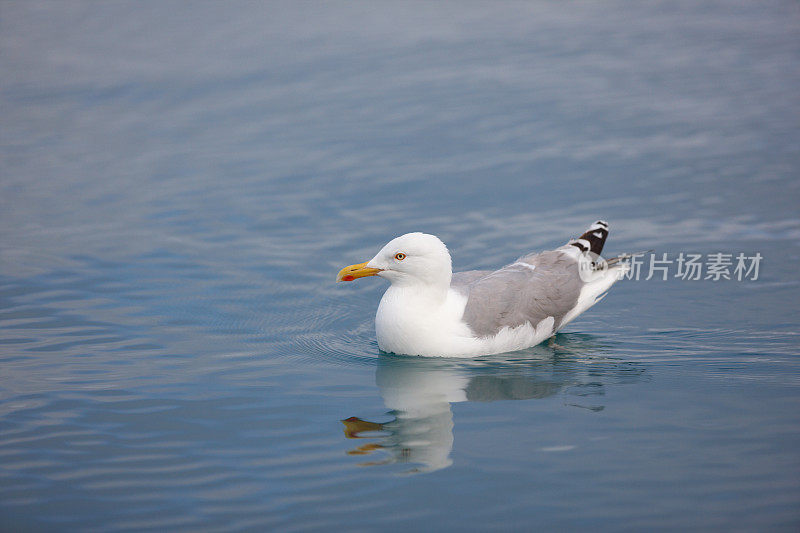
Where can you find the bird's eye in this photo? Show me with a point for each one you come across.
(399, 256)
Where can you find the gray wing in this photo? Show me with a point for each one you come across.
(537, 286)
(462, 280)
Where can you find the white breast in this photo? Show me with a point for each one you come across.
(410, 322)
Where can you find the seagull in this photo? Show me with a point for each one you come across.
(430, 311)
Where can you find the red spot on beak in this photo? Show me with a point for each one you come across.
(348, 278)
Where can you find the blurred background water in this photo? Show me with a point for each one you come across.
(180, 183)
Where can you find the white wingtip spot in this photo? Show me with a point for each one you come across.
(598, 225)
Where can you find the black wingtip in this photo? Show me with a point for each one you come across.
(594, 238)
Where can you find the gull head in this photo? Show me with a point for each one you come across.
(413, 259)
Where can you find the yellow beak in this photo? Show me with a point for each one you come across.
(352, 272)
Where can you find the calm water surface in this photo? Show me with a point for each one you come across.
(180, 183)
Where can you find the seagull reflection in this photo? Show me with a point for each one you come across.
(418, 392)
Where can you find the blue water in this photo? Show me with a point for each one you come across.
(180, 183)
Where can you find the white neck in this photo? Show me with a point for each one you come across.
(418, 294)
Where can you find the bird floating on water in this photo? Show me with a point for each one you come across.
(430, 311)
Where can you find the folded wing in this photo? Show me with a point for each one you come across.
(530, 290)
